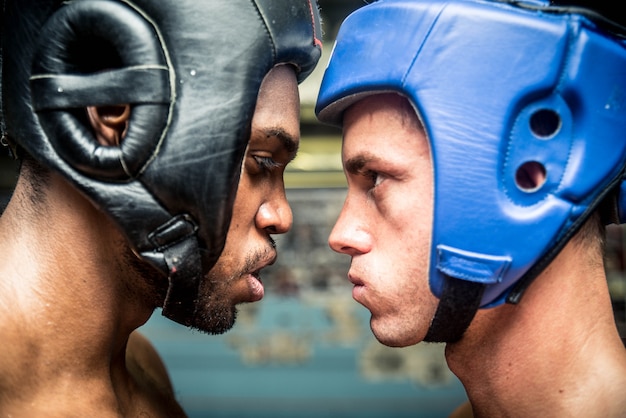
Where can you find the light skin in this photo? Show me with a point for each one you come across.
(72, 293)
(557, 353)
(388, 209)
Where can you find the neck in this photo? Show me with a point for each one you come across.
(557, 353)
(66, 302)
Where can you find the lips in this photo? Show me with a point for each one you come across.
(255, 284)
(358, 291)
(257, 291)
(354, 279)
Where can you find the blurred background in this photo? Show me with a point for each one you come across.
(306, 349)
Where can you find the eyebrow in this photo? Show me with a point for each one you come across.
(287, 140)
(355, 164)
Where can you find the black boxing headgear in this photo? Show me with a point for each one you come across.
(191, 71)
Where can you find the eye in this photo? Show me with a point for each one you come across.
(266, 163)
(374, 177)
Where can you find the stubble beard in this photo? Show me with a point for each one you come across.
(216, 313)
(213, 315)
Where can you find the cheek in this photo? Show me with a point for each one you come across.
(405, 224)
(246, 203)
(403, 262)
(402, 305)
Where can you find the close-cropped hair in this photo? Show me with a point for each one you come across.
(592, 235)
(37, 178)
(409, 115)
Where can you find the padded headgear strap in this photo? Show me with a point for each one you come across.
(459, 302)
(176, 241)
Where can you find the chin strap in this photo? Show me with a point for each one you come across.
(457, 307)
(460, 299)
(178, 245)
(183, 260)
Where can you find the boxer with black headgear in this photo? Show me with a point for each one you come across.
(485, 148)
(153, 137)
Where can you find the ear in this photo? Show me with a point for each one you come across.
(109, 123)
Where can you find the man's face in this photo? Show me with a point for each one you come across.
(385, 224)
(260, 207)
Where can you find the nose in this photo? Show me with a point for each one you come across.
(349, 235)
(274, 214)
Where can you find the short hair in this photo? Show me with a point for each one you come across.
(592, 235)
(37, 177)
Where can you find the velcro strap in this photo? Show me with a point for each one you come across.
(459, 302)
(178, 243)
(185, 271)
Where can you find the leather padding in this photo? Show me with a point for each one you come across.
(191, 71)
(64, 78)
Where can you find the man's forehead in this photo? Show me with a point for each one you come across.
(277, 111)
(274, 82)
(392, 106)
(287, 139)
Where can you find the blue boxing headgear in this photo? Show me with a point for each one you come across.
(501, 87)
(191, 71)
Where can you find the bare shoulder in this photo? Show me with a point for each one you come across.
(149, 372)
(462, 411)
(144, 362)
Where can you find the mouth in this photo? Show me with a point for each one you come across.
(355, 280)
(255, 284)
(359, 289)
(257, 275)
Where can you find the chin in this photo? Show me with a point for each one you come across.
(215, 320)
(393, 336)
(395, 342)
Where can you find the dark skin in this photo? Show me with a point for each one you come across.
(69, 307)
(72, 292)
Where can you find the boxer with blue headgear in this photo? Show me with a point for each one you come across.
(484, 142)
(154, 137)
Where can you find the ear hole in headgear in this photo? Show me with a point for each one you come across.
(110, 123)
(101, 53)
(545, 123)
(530, 176)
